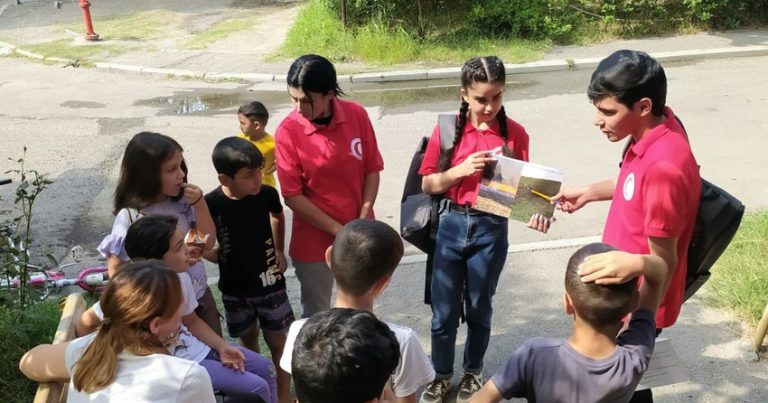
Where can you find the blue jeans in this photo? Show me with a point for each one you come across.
(469, 256)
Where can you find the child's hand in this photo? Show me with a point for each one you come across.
(540, 223)
(282, 263)
(474, 164)
(613, 267)
(232, 357)
(191, 193)
(569, 200)
(194, 254)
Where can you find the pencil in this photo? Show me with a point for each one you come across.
(542, 195)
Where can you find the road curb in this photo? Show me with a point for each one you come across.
(405, 75)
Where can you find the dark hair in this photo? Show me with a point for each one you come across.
(234, 153)
(313, 73)
(598, 305)
(630, 75)
(150, 236)
(343, 356)
(254, 111)
(489, 69)
(139, 181)
(364, 252)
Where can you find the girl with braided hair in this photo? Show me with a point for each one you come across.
(471, 246)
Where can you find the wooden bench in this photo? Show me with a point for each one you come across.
(74, 306)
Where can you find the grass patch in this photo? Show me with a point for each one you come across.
(318, 31)
(218, 31)
(132, 30)
(20, 331)
(739, 281)
(66, 48)
(139, 26)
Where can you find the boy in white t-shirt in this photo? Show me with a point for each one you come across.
(363, 257)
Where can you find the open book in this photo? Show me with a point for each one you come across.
(517, 189)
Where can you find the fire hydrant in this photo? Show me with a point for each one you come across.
(89, 34)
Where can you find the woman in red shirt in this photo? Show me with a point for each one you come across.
(328, 165)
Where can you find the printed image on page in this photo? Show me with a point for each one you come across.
(517, 189)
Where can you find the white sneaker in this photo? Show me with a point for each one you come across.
(436, 391)
(469, 385)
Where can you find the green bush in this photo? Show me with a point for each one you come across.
(557, 20)
(21, 330)
(727, 13)
(532, 19)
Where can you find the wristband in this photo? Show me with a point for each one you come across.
(198, 200)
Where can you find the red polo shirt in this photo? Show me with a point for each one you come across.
(657, 195)
(328, 165)
(465, 191)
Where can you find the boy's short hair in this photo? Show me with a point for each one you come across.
(343, 355)
(598, 305)
(364, 252)
(255, 111)
(232, 154)
(629, 76)
(150, 236)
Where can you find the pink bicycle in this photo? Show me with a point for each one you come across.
(42, 280)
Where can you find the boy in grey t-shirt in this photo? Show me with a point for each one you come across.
(592, 365)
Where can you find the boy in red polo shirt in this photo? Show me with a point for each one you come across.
(655, 198)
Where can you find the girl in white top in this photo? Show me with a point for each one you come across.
(127, 359)
(232, 369)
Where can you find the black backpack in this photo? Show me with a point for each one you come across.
(418, 210)
(717, 221)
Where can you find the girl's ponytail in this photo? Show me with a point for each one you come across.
(137, 294)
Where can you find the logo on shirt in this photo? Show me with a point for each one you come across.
(629, 187)
(357, 148)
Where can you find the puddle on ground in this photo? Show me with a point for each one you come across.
(392, 96)
(82, 104)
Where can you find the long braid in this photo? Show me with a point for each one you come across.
(461, 122)
(501, 117)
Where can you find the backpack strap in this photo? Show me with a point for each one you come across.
(447, 122)
(133, 214)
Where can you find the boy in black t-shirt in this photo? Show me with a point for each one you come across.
(250, 228)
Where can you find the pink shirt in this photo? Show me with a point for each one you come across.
(465, 191)
(657, 195)
(328, 165)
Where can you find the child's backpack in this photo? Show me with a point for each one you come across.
(418, 210)
(717, 221)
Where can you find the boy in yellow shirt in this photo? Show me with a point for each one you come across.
(253, 118)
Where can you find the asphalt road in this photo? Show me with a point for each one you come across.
(76, 122)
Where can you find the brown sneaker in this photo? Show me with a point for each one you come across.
(435, 391)
(469, 385)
